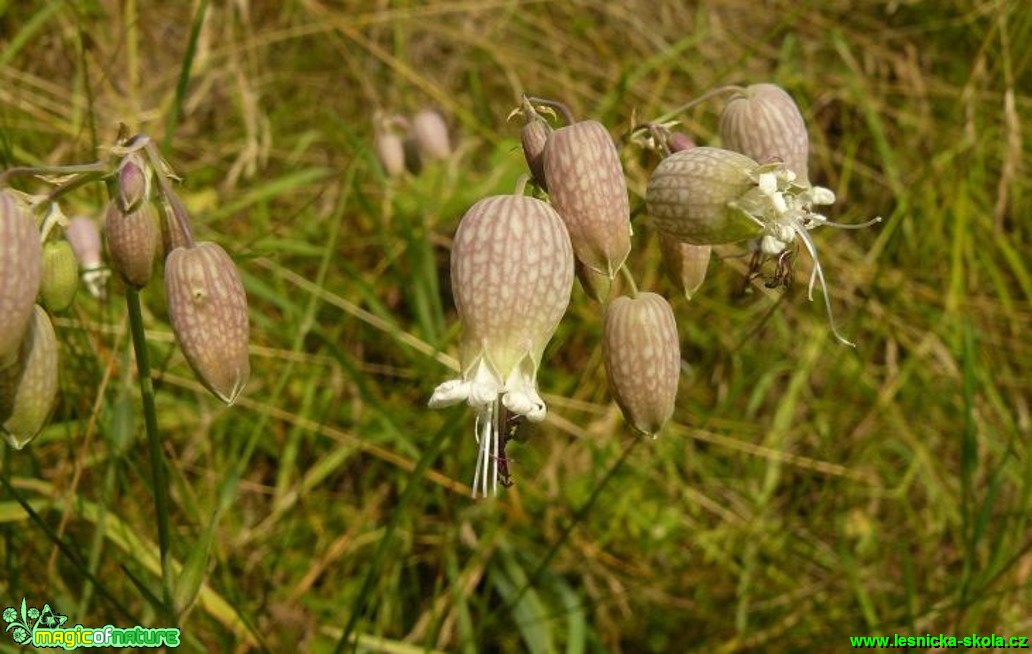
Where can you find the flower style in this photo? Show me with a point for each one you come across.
(512, 274)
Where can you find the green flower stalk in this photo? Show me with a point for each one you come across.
(512, 274)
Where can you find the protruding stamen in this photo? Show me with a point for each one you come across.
(818, 274)
(872, 221)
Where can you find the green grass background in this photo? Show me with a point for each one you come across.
(804, 492)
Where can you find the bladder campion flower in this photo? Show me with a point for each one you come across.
(512, 274)
(711, 196)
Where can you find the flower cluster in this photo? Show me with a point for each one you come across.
(405, 144)
(514, 256)
(41, 252)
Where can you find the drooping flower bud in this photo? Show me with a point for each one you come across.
(134, 240)
(685, 264)
(512, 273)
(431, 135)
(679, 141)
(642, 356)
(28, 386)
(389, 148)
(207, 306)
(83, 235)
(134, 182)
(764, 123)
(533, 136)
(176, 224)
(60, 276)
(21, 269)
(587, 187)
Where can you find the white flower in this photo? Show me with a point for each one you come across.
(512, 272)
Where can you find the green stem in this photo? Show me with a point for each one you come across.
(564, 535)
(702, 98)
(554, 104)
(157, 459)
(96, 167)
(521, 184)
(629, 278)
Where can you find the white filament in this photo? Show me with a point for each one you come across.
(818, 274)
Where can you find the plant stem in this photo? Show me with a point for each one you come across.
(554, 104)
(157, 459)
(629, 278)
(720, 90)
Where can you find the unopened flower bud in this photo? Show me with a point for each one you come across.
(389, 150)
(512, 273)
(533, 136)
(595, 284)
(587, 187)
(685, 264)
(176, 225)
(21, 270)
(134, 240)
(764, 123)
(431, 135)
(207, 306)
(133, 182)
(84, 236)
(60, 276)
(29, 385)
(642, 356)
(679, 141)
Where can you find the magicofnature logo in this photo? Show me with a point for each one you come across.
(24, 624)
(45, 628)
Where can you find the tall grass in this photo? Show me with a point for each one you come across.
(806, 491)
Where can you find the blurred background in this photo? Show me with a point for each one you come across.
(804, 492)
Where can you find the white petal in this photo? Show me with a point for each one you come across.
(821, 195)
(450, 393)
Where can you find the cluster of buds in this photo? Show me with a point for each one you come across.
(406, 143)
(42, 252)
(207, 304)
(514, 257)
(513, 263)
